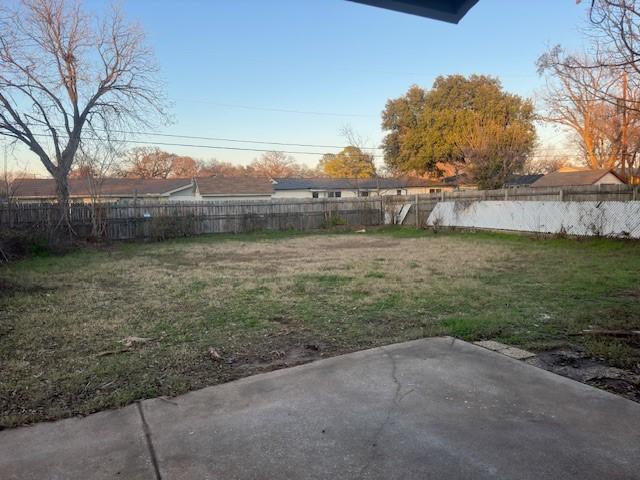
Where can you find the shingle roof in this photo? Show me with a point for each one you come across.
(349, 183)
(459, 179)
(219, 185)
(522, 180)
(580, 177)
(117, 187)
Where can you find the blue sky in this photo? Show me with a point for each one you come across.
(336, 58)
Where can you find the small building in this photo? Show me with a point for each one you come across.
(353, 187)
(573, 177)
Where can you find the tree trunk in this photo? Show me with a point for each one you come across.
(62, 195)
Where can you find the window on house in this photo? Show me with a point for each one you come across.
(398, 192)
(435, 190)
(363, 194)
(335, 194)
(315, 194)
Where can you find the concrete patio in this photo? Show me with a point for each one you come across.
(434, 408)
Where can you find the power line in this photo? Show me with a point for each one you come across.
(281, 110)
(235, 140)
(222, 139)
(193, 145)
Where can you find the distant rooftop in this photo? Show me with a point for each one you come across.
(450, 11)
(522, 180)
(349, 183)
(81, 187)
(574, 178)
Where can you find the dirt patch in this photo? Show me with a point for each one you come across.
(577, 365)
(287, 357)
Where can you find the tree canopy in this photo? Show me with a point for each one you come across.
(351, 162)
(445, 125)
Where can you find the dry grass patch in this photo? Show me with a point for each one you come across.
(267, 301)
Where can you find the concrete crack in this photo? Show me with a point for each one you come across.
(147, 435)
(395, 402)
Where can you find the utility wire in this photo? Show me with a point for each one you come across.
(194, 145)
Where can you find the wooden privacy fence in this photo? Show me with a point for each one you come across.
(139, 220)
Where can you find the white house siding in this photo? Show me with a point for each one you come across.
(222, 198)
(607, 218)
(609, 179)
(350, 193)
(292, 194)
(184, 195)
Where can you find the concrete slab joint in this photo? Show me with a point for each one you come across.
(430, 408)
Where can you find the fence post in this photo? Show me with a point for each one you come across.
(417, 213)
(506, 194)
(561, 194)
(634, 196)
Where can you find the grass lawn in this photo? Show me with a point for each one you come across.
(265, 301)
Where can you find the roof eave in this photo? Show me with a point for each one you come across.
(437, 10)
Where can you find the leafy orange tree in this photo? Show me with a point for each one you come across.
(351, 162)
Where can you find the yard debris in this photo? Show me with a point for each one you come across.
(112, 352)
(131, 340)
(214, 355)
(364, 230)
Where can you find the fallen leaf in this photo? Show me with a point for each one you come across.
(213, 353)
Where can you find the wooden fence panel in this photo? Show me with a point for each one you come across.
(145, 219)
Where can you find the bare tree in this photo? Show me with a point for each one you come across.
(615, 29)
(273, 165)
(184, 167)
(213, 167)
(546, 160)
(492, 152)
(594, 103)
(65, 75)
(147, 162)
(95, 163)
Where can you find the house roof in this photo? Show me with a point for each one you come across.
(295, 183)
(115, 187)
(456, 180)
(522, 180)
(574, 178)
(450, 11)
(218, 185)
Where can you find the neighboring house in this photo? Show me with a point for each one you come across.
(111, 189)
(127, 189)
(351, 187)
(579, 177)
(460, 182)
(518, 181)
(233, 188)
